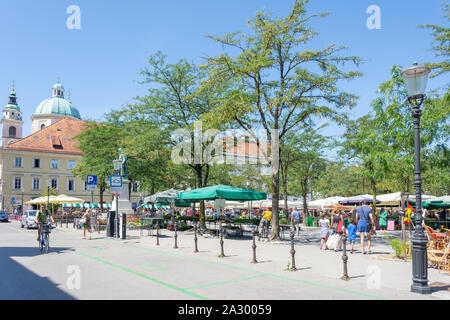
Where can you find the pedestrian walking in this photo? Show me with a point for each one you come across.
(383, 219)
(264, 224)
(86, 220)
(351, 229)
(338, 229)
(325, 226)
(364, 220)
(296, 220)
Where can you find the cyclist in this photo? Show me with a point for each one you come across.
(42, 218)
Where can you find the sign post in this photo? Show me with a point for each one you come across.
(115, 183)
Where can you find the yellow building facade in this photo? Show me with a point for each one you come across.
(44, 159)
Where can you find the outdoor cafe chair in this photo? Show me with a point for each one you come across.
(440, 258)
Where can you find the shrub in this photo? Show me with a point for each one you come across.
(398, 246)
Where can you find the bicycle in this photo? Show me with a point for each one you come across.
(45, 238)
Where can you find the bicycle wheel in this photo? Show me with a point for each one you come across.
(41, 246)
(47, 243)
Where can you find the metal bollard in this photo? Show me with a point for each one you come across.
(345, 257)
(176, 235)
(157, 233)
(293, 268)
(254, 247)
(195, 237)
(221, 242)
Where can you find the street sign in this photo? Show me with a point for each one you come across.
(115, 184)
(115, 181)
(13, 200)
(91, 183)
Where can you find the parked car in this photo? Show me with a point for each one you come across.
(3, 216)
(29, 219)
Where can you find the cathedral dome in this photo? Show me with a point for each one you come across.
(57, 105)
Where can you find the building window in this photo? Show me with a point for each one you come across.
(54, 164)
(71, 164)
(18, 162)
(17, 183)
(36, 184)
(70, 185)
(36, 163)
(12, 132)
(54, 184)
(42, 126)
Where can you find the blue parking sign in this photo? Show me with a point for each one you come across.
(91, 180)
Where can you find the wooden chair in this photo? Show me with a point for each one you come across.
(440, 258)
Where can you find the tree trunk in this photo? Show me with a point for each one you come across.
(304, 188)
(275, 206)
(374, 203)
(198, 170)
(285, 195)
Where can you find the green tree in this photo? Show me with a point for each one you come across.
(308, 161)
(395, 126)
(364, 142)
(340, 179)
(275, 83)
(100, 144)
(441, 43)
(176, 101)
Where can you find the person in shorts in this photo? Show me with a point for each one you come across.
(364, 219)
(296, 220)
(264, 224)
(351, 229)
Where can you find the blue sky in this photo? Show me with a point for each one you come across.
(99, 63)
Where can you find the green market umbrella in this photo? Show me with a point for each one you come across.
(439, 202)
(166, 198)
(222, 192)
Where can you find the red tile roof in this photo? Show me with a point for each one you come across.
(243, 148)
(56, 138)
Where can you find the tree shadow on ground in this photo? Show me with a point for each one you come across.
(21, 283)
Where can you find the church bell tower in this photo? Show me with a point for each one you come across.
(11, 122)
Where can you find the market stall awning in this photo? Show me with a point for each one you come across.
(437, 202)
(222, 192)
(86, 205)
(55, 199)
(324, 203)
(358, 200)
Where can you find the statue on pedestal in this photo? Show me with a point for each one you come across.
(123, 166)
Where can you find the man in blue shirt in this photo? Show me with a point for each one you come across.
(365, 222)
(295, 220)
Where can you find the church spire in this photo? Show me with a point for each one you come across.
(12, 104)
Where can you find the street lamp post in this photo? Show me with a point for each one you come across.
(415, 79)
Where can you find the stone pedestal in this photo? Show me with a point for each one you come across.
(124, 200)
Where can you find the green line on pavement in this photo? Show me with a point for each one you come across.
(143, 276)
(260, 272)
(225, 282)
